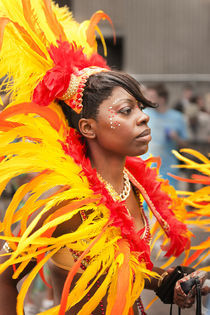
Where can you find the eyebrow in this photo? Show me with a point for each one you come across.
(125, 99)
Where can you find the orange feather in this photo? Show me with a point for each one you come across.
(29, 40)
(3, 23)
(7, 125)
(192, 258)
(66, 209)
(95, 19)
(131, 312)
(123, 279)
(28, 13)
(154, 159)
(25, 108)
(52, 21)
(198, 179)
(73, 271)
(31, 19)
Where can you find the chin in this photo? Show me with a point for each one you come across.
(138, 153)
(141, 151)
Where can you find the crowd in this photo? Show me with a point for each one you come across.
(184, 124)
(196, 109)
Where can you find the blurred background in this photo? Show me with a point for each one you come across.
(165, 45)
(157, 40)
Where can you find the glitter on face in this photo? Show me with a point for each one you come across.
(112, 115)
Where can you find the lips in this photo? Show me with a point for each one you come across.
(146, 132)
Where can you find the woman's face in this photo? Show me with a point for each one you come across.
(121, 125)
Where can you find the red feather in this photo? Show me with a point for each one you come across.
(118, 212)
(66, 57)
(147, 177)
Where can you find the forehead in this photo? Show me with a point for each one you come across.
(118, 94)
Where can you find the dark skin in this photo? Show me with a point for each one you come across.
(108, 148)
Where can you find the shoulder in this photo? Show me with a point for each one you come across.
(63, 228)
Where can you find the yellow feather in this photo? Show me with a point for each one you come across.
(159, 234)
(197, 154)
(202, 259)
(168, 263)
(206, 268)
(26, 284)
(100, 293)
(150, 304)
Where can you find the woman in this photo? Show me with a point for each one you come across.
(84, 213)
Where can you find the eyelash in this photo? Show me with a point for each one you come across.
(126, 110)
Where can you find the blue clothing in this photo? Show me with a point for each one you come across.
(208, 305)
(161, 144)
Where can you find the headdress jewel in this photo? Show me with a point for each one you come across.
(66, 80)
(74, 93)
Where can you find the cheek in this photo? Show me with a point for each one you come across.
(113, 136)
(113, 118)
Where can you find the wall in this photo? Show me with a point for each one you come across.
(161, 36)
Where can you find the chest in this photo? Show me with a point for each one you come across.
(135, 210)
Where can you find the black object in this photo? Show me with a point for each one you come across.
(188, 285)
(166, 290)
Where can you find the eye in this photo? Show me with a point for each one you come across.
(125, 110)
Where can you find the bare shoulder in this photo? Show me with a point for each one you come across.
(65, 227)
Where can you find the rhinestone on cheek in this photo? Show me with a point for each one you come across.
(112, 116)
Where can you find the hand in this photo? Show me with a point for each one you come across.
(187, 300)
(206, 287)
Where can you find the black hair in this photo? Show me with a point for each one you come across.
(97, 89)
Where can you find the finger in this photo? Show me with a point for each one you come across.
(179, 301)
(170, 270)
(178, 289)
(179, 296)
(205, 290)
(190, 301)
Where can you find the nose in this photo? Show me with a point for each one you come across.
(141, 117)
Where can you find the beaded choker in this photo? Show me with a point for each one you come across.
(126, 188)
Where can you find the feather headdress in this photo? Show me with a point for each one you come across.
(43, 48)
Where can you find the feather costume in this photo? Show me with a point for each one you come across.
(40, 46)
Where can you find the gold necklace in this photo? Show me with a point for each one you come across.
(126, 188)
(118, 197)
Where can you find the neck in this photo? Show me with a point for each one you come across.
(110, 166)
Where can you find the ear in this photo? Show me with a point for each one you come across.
(87, 127)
